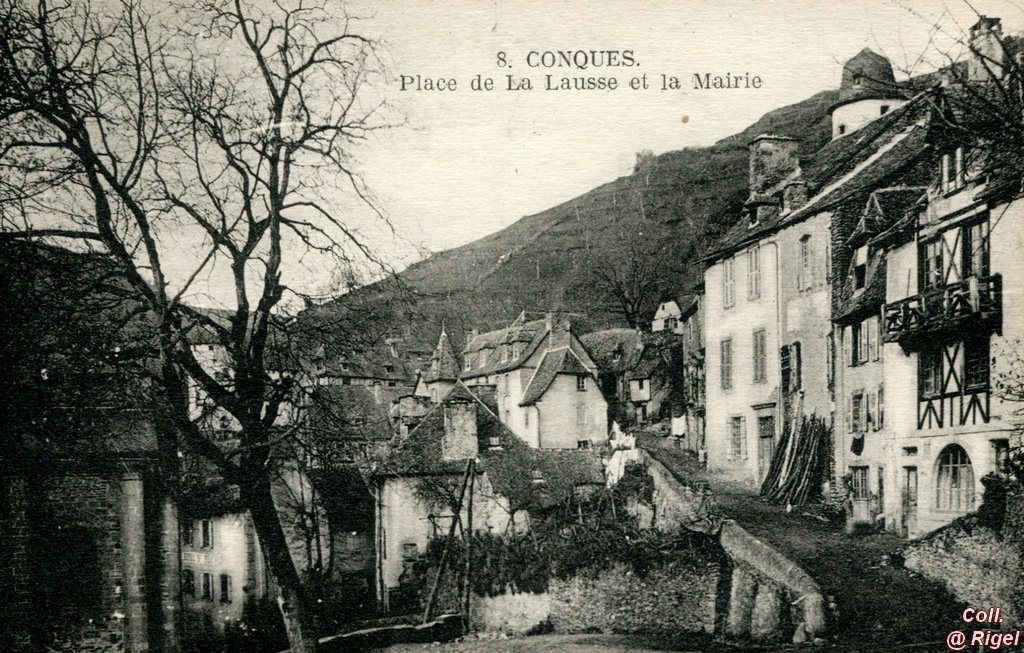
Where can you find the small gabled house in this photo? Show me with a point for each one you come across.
(418, 485)
(668, 317)
(546, 383)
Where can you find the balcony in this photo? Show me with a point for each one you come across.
(973, 303)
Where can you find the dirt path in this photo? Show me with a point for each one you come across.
(878, 603)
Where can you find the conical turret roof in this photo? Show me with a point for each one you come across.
(867, 75)
(443, 364)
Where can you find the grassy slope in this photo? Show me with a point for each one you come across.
(689, 197)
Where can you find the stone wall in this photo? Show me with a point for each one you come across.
(62, 562)
(977, 564)
(675, 597)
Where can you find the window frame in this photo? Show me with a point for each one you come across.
(728, 282)
(759, 347)
(725, 363)
(860, 488)
(581, 383)
(954, 480)
(806, 260)
(206, 533)
(753, 273)
(225, 588)
(207, 591)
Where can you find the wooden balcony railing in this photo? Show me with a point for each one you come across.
(972, 301)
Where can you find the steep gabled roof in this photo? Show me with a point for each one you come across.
(443, 364)
(885, 207)
(844, 168)
(556, 361)
(484, 350)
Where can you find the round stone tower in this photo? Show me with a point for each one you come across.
(868, 90)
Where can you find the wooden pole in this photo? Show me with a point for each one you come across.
(467, 585)
(447, 545)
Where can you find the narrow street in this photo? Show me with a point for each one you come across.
(878, 603)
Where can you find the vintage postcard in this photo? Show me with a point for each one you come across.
(337, 325)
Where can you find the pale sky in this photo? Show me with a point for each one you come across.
(466, 163)
(469, 163)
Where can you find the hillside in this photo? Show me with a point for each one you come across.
(671, 208)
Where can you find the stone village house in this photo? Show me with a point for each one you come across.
(418, 483)
(877, 271)
(769, 281)
(546, 382)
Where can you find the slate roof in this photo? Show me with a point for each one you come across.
(349, 412)
(844, 168)
(556, 361)
(854, 307)
(867, 75)
(510, 468)
(443, 364)
(613, 350)
(484, 350)
(885, 207)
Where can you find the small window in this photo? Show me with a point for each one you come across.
(728, 283)
(857, 412)
(953, 170)
(389, 368)
(640, 384)
(760, 373)
(931, 271)
(581, 383)
(860, 268)
(188, 534)
(206, 533)
(737, 438)
(929, 372)
(188, 582)
(976, 363)
(859, 483)
(583, 444)
(842, 129)
(805, 275)
(753, 273)
(225, 588)
(726, 363)
(207, 587)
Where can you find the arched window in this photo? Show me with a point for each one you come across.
(954, 485)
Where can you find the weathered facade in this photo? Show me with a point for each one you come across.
(462, 459)
(546, 383)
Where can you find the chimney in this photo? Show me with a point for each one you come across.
(794, 196)
(460, 438)
(989, 57)
(772, 160)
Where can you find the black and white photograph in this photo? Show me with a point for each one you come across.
(511, 326)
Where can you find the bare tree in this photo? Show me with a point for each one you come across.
(223, 143)
(632, 274)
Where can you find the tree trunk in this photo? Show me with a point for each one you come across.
(298, 621)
